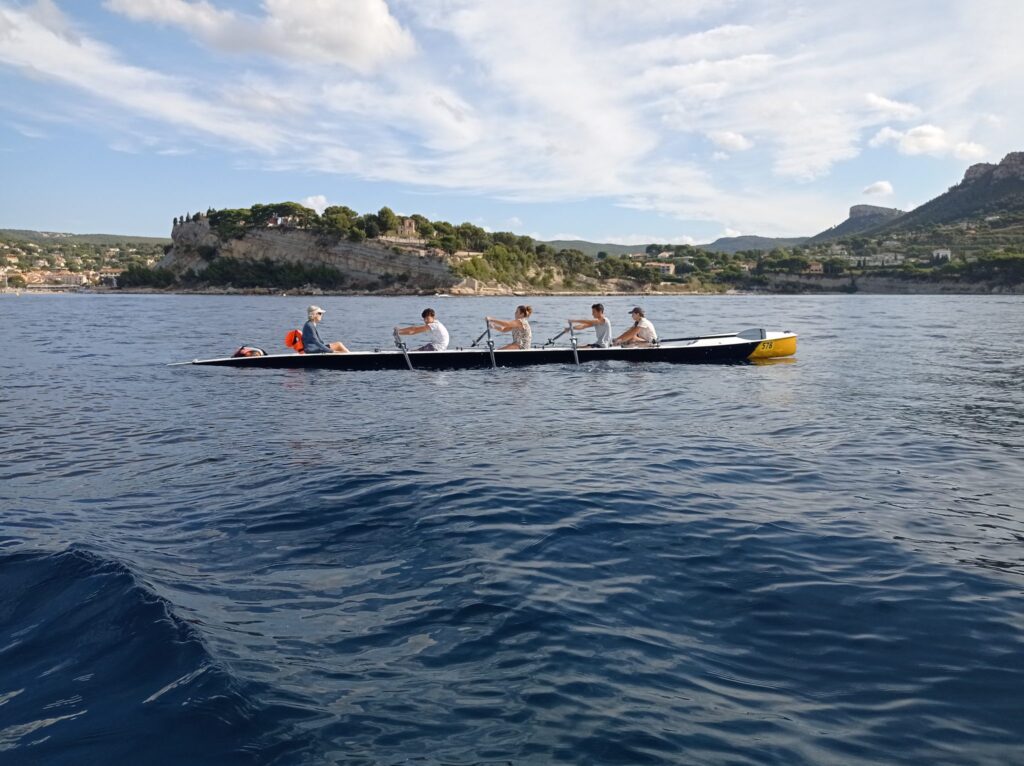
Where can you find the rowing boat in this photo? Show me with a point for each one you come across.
(733, 348)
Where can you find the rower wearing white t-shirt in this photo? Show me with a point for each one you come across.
(437, 338)
(642, 333)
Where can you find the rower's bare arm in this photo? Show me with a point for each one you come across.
(502, 326)
(582, 324)
(627, 336)
(414, 330)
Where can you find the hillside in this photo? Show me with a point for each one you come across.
(987, 190)
(288, 246)
(52, 237)
(863, 218)
(593, 248)
(733, 245)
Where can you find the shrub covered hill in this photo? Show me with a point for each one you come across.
(288, 246)
(988, 192)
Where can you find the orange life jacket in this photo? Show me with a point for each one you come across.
(294, 340)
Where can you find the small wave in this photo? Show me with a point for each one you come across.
(96, 668)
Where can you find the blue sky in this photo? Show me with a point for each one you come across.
(610, 120)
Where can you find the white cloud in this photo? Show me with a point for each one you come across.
(889, 109)
(928, 139)
(360, 34)
(878, 188)
(968, 150)
(727, 232)
(720, 156)
(924, 139)
(727, 139)
(316, 202)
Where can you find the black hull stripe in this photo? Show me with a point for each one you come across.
(731, 353)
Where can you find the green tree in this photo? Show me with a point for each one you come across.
(424, 228)
(449, 243)
(387, 220)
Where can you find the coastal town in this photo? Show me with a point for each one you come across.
(64, 262)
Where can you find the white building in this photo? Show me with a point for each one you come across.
(666, 269)
(942, 254)
(883, 259)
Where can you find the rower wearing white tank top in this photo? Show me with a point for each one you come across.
(601, 324)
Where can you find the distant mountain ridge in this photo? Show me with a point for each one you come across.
(987, 189)
(593, 248)
(49, 237)
(733, 245)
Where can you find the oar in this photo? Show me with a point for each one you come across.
(575, 343)
(405, 349)
(490, 345)
(552, 340)
(698, 337)
(480, 337)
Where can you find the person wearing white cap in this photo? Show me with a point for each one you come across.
(642, 333)
(312, 342)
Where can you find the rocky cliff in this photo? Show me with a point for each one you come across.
(195, 246)
(987, 189)
(862, 218)
(1011, 168)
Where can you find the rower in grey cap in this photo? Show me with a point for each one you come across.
(642, 333)
(312, 342)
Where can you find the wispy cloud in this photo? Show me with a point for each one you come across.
(634, 104)
(27, 130)
(890, 109)
(360, 34)
(41, 44)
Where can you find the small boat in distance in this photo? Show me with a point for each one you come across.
(730, 348)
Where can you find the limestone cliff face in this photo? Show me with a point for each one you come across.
(1011, 167)
(195, 246)
(864, 211)
(980, 170)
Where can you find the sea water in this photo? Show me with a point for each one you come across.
(818, 561)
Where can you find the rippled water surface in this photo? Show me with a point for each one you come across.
(804, 563)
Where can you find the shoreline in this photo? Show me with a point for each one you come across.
(875, 286)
